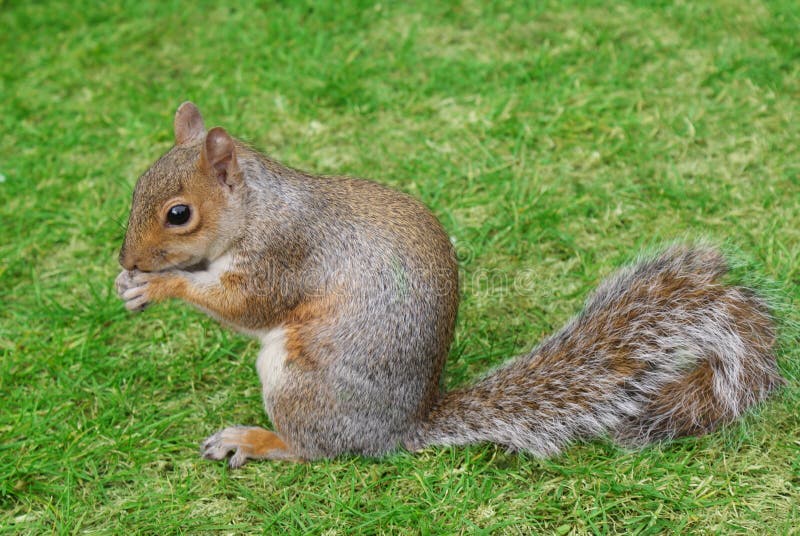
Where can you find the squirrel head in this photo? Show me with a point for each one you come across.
(187, 208)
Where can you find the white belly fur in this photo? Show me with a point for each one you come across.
(210, 276)
(271, 358)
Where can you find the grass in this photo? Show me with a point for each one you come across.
(554, 141)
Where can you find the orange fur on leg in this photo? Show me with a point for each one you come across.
(246, 443)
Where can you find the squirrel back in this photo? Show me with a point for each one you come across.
(352, 289)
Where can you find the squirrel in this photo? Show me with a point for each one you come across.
(352, 289)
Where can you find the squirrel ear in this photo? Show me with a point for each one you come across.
(189, 127)
(219, 154)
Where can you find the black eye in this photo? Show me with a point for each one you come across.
(178, 215)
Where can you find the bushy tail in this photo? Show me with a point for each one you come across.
(662, 349)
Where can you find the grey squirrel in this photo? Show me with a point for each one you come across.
(351, 287)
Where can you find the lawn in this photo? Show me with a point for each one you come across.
(554, 141)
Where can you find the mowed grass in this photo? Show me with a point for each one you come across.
(554, 140)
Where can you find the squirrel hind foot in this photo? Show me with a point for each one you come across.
(245, 443)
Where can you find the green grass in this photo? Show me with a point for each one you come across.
(554, 141)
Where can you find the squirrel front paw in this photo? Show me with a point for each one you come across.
(138, 289)
(132, 288)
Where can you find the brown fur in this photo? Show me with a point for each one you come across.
(251, 443)
(353, 290)
(663, 349)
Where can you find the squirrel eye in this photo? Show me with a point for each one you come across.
(178, 214)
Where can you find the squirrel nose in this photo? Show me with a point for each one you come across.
(127, 261)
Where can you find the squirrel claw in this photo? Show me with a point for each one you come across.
(219, 445)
